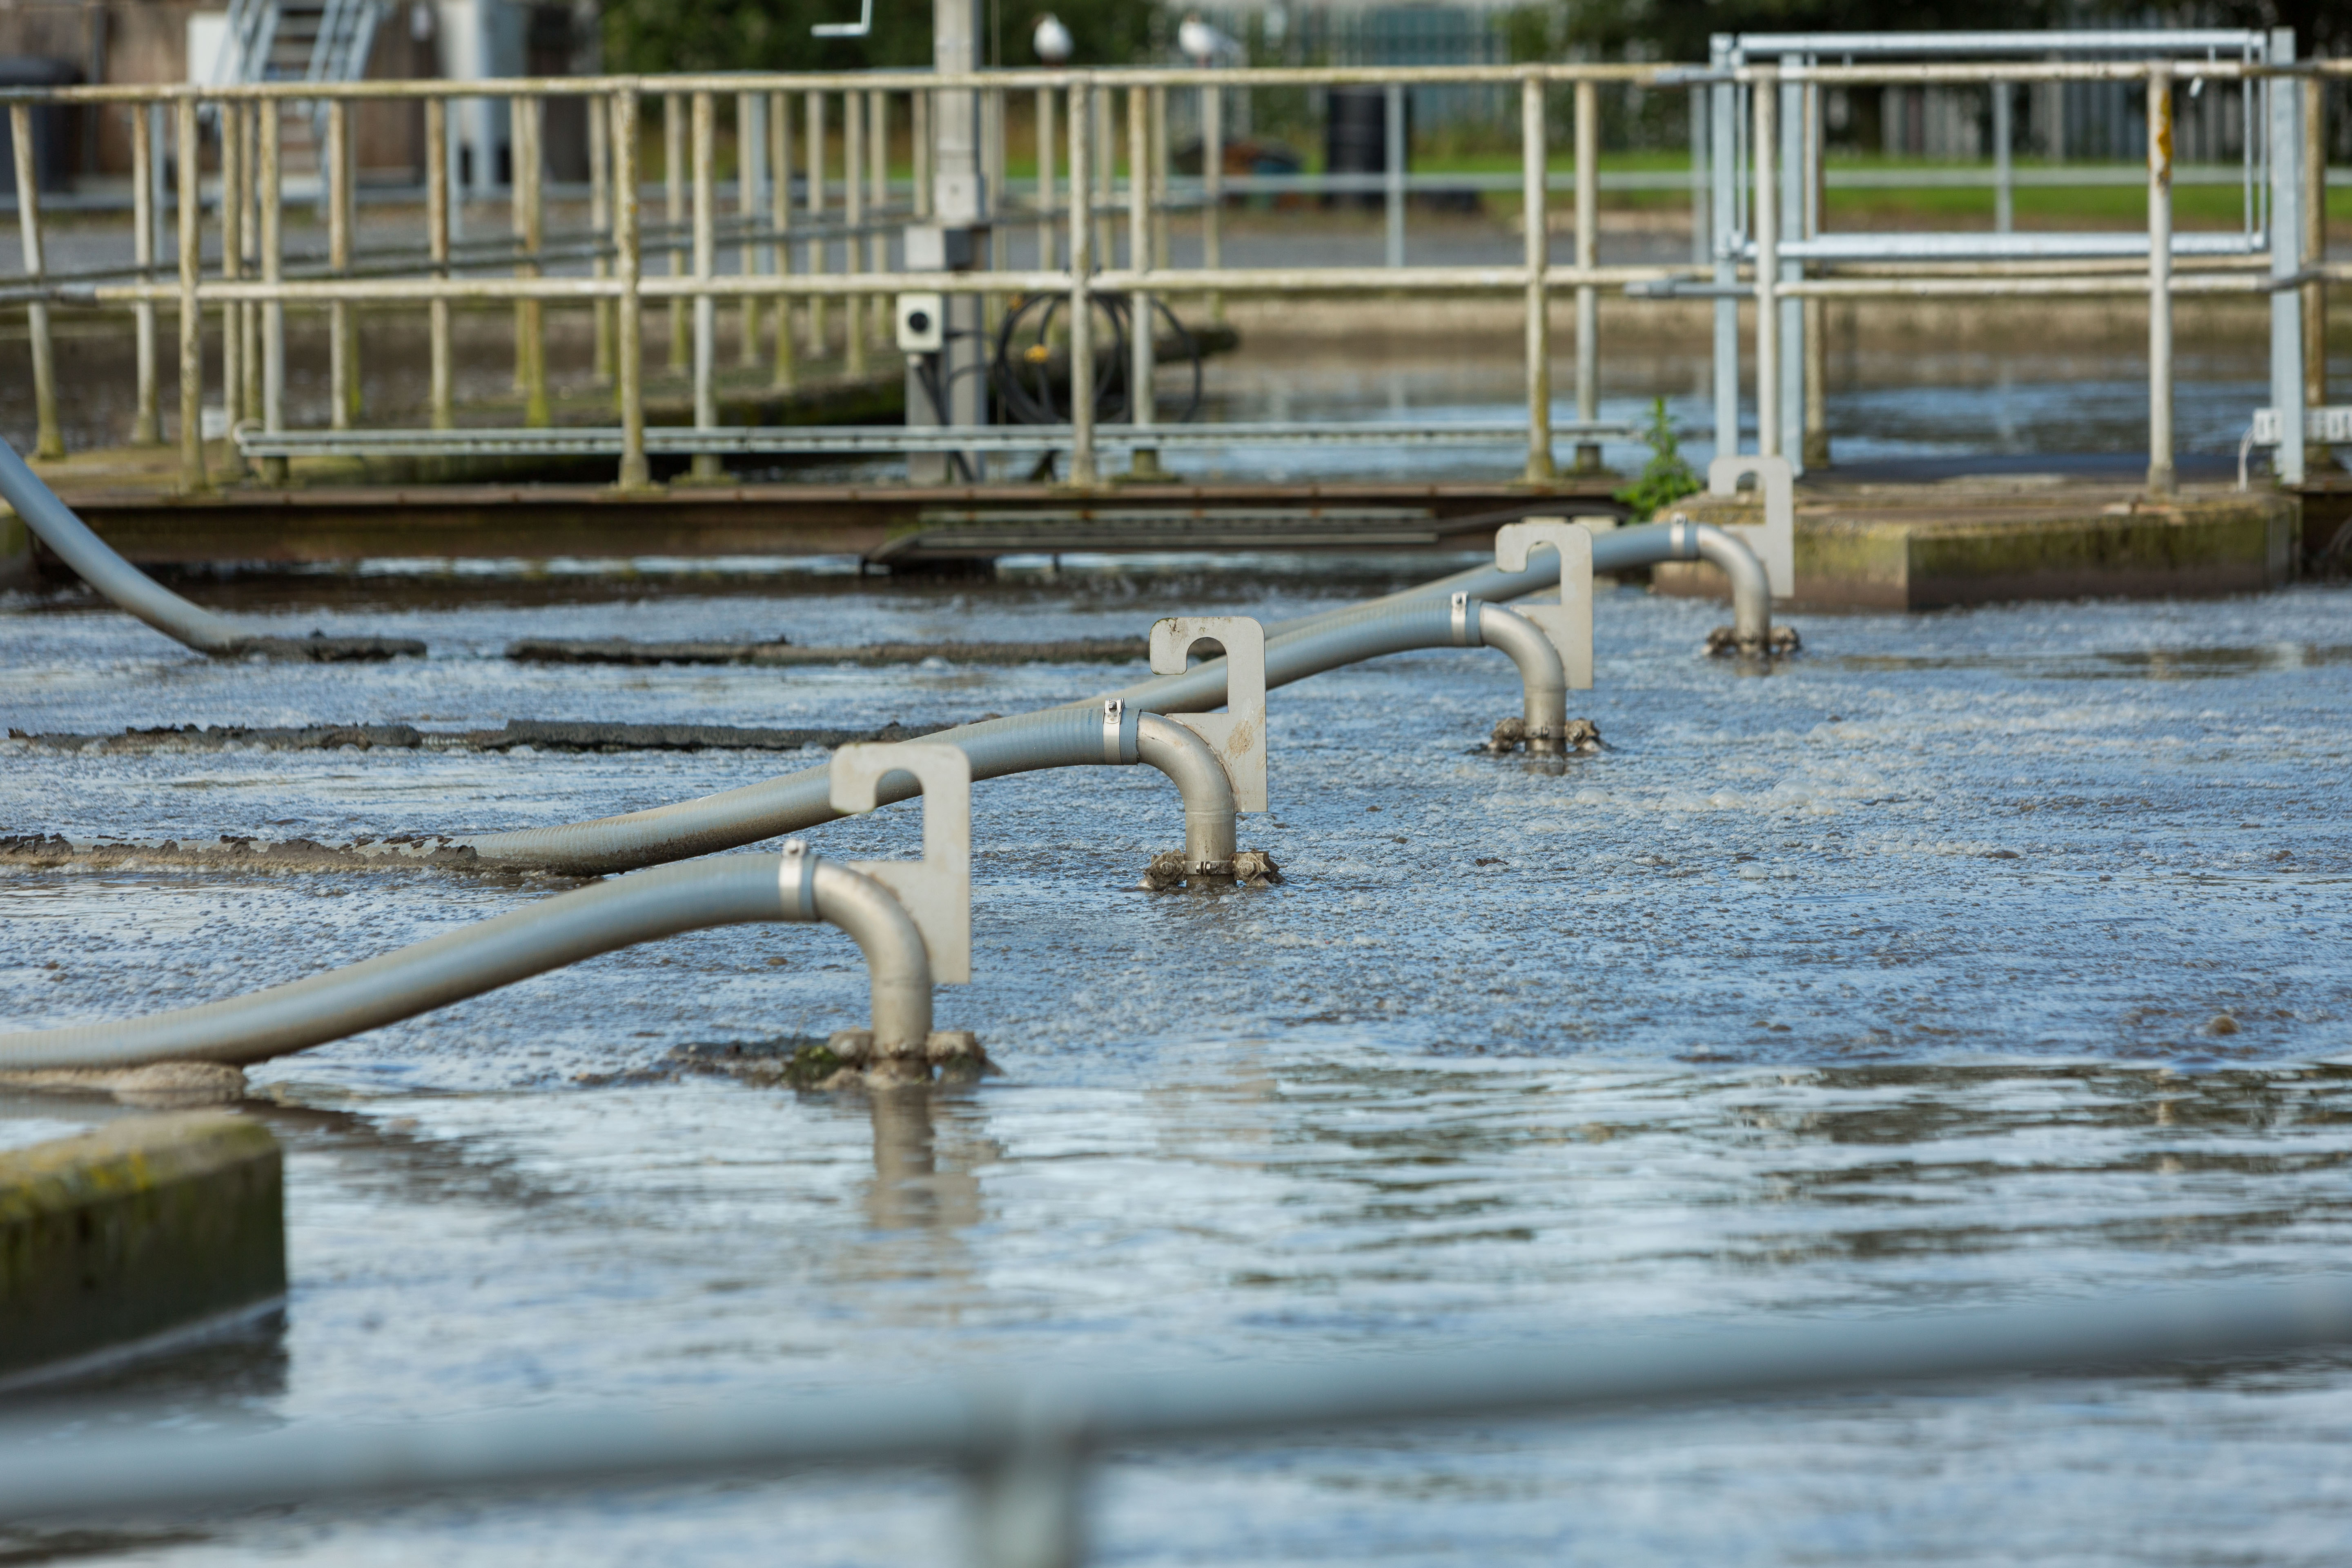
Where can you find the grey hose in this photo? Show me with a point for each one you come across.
(544, 935)
(1070, 736)
(97, 565)
(1613, 550)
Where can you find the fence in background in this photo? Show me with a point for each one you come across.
(797, 239)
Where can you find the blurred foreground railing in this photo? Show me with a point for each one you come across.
(1025, 1438)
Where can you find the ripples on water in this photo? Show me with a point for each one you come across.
(1891, 982)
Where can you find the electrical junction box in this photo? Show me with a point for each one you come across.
(922, 323)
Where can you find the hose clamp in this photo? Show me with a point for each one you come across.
(796, 880)
(1461, 620)
(1682, 537)
(1114, 721)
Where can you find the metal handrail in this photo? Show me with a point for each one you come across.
(1026, 1437)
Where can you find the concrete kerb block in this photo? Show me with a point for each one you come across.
(140, 1230)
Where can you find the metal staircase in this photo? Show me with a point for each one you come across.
(303, 41)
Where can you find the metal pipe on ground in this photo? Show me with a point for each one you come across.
(133, 590)
(545, 935)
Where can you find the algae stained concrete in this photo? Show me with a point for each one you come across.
(1919, 547)
(139, 1229)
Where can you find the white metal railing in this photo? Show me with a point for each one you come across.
(797, 258)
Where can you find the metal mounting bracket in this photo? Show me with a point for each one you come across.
(1775, 544)
(1238, 734)
(936, 889)
(1569, 624)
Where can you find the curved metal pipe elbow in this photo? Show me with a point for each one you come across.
(1211, 834)
(1543, 680)
(898, 965)
(1751, 589)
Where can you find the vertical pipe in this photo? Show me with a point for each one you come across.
(1142, 361)
(231, 210)
(600, 228)
(1048, 248)
(2284, 142)
(992, 181)
(853, 214)
(436, 243)
(51, 441)
(878, 202)
(531, 315)
(779, 213)
(1533, 157)
(1213, 191)
(272, 193)
(1815, 312)
(1767, 95)
(1082, 350)
(817, 345)
(1723, 172)
(339, 367)
(2159, 278)
(751, 152)
(145, 430)
(192, 322)
(2315, 246)
(1393, 163)
(628, 261)
(674, 215)
(1795, 161)
(2004, 196)
(1588, 255)
(1701, 241)
(706, 308)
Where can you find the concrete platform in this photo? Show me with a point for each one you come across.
(146, 1228)
(1987, 539)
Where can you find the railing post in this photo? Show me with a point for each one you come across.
(853, 216)
(248, 316)
(273, 270)
(750, 171)
(1723, 169)
(2159, 278)
(1813, 313)
(1588, 255)
(232, 266)
(528, 117)
(600, 227)
(1765, 90)
(1082, 260)
(1213, 189)
(1792, 166)
(1141, 361)
(2004, 191)
(441, 397)
(1048, 247)
(51, 441)
(1393, 162)
(192, 479)
(706, 308)
(1533, 156)
(1160, 173)
(341, 372)
(918, 114)
(1105, 152)
(817, 337)
(674, 218)
(2288, 371)
(145, 430)
(878, 199)
(2315, 248)
(629, 263)
(779, 213)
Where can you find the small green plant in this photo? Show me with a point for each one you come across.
(1666, 478)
